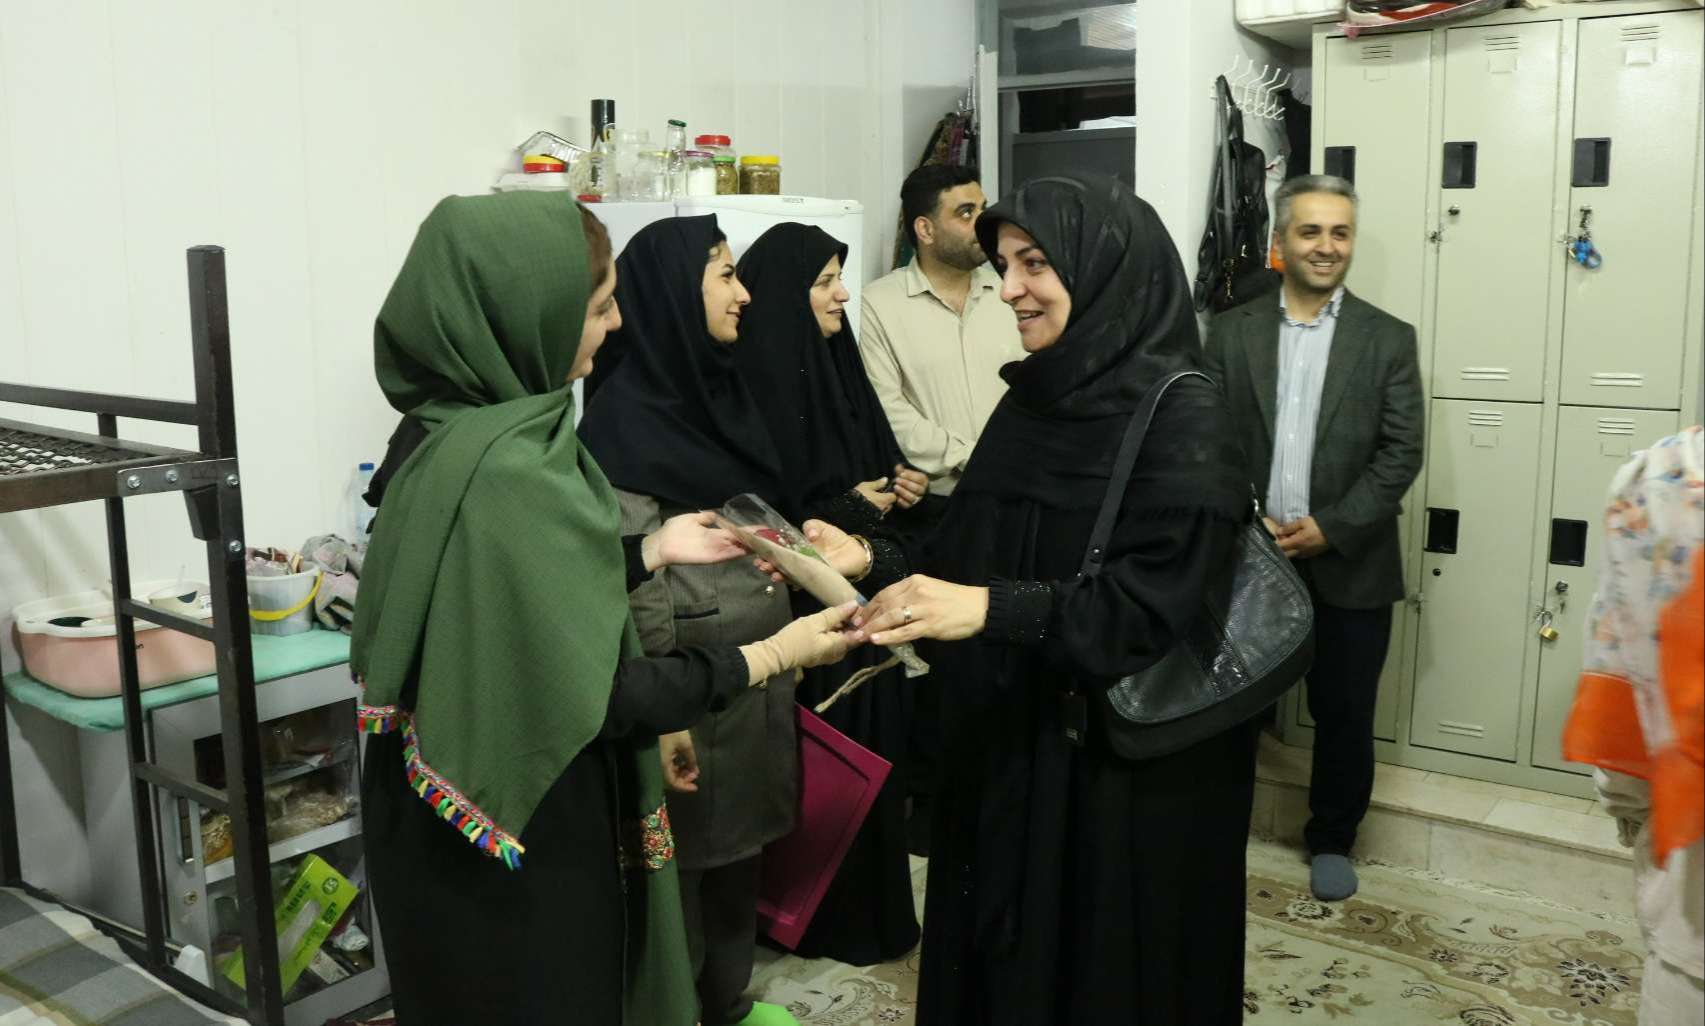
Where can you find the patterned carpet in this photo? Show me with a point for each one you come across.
(1406, 951)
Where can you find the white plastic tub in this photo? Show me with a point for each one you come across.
(283, 605)
(82, 659)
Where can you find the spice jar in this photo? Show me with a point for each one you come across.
(700, 173)
(727, 175)
(760, 174)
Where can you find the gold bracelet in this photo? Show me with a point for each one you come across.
(869, 559)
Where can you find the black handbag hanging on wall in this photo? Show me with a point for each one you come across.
(1251, 640)
(1231, 263)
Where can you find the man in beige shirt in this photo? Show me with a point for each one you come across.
(934, 334)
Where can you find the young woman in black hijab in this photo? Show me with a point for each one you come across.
(1068, 885)
(676, 429)
(837, 453)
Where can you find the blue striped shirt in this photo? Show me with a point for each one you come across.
(1303, 352)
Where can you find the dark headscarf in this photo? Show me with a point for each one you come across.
(1131, 322)
(827, 424)
(674, 420)
(1054, 435)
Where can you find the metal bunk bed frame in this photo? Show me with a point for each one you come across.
(40, 467)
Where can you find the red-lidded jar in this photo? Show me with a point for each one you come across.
(715, 145)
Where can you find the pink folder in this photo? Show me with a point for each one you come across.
(839, 780)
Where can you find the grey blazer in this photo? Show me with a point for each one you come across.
(1367, 444)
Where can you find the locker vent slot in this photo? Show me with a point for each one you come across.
(1441, 530)
(1341, 161)
(1496, 43)
(1461, 729)
(1459, 165)
(1568, 542)
(1608, 379)
(1485, 418)
(1615, 426)
(1640, 33)
(1382, 53)
(1486, 374)
(1592, 164)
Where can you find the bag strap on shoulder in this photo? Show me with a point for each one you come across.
(1123, 464)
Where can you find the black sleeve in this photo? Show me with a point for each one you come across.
(1127, 617)
(891, 566)
(632, 550)
(852, 513)
(849, 511)
(661, 694)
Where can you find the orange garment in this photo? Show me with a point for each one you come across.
(1640, 705)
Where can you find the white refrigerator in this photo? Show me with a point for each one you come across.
(743, 219)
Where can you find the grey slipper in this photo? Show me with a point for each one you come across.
(1332, 878)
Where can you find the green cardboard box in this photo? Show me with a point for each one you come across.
(313, 903)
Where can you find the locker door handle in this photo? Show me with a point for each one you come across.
(1341, 161)
(1461, 162)
(1568, 544)
(1442, 527)
(1592, 164)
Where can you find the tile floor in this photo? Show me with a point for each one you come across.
(1556, 847)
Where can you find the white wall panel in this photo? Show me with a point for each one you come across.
(310, 138)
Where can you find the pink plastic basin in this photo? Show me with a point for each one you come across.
(83, 660)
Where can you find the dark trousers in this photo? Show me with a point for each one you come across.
(721, 910)
(1343, 684)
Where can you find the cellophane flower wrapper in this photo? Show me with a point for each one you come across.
(768, 535)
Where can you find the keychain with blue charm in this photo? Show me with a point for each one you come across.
(1580, 246)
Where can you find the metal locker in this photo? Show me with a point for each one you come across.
(1592, 444)
(1497, 160)
(1482, 473)
(1374, 132)
(1637, 110)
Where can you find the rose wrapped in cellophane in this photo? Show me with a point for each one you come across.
(767, 534)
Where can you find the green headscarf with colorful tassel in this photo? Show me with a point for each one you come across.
(495, 577)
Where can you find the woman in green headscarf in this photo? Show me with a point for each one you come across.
(502, 675)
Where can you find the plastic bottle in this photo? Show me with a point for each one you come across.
(362, 521)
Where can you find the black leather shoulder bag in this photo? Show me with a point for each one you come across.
(1252, 639)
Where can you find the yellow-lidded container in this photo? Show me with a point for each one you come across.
(760, 174)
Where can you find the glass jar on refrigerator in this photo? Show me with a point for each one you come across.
(650, 178)
(760, 174)
(715, 145)
(629, 143)
(675, 161)
(700, 171)
(727, 175)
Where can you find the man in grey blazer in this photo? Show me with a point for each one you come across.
(1325, 393)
